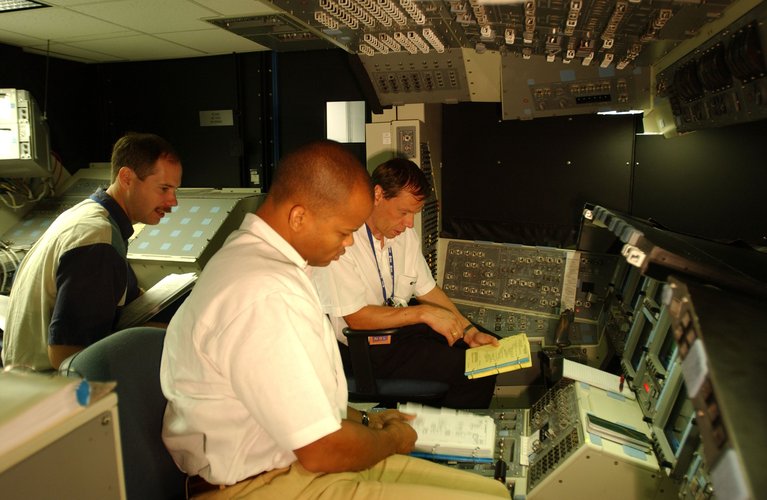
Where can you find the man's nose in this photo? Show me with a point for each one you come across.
(410, 220)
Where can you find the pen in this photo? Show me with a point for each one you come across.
(620, 385)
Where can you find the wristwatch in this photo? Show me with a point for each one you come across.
(365, 419)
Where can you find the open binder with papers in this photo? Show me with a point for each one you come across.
(451, 435)
(154, 300)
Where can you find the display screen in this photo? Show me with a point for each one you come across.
(678, 420)
(647, 326)
(658, 296)
(638, 296)
(667, 350)
(629, 286)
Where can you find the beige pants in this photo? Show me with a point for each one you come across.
(398, 477)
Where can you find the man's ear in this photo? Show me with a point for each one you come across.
(125, 176)
(377, 194)
(296, 217)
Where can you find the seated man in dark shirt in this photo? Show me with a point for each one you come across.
(72, 282)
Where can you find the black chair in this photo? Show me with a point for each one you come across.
(365, 387)
(131, 357)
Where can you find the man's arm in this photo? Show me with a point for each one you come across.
(435, 309)
(472, 336)
(90, 281)
(58, 353)
(441, 320)
(357, 447)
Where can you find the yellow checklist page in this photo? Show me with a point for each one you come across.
(512, 353)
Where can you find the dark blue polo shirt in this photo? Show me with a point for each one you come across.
(91, 281)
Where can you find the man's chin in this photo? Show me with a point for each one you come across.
(153, 219)
(325, 264)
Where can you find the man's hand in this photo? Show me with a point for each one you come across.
(442, 321)
(377, 420)
(475, 338)
(402, 433)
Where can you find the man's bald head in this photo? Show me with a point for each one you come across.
(320, 196)
(318, 175)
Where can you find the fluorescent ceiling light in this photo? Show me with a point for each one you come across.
(629, 112)
(12, 5)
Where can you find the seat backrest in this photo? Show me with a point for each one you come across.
(365, 387)
(131, 357)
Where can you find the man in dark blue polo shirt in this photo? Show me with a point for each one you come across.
(68, 290)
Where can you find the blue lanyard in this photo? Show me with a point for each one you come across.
(387, 300)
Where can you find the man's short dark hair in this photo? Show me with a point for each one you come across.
(400, 174)
(322, 173)
(139, 152)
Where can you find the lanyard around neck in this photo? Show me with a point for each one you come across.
(387, 300)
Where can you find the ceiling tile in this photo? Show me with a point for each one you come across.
(54, 23)
(213, 41)
(237, 7)
(65, 51)
(155, 16)
(68, 3)
(139, 47)
(12, 38)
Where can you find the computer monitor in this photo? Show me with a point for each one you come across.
(619, 276)
(635, 350)
(652, 369)
(673, 428)
(24, 145)
(654, 294)
(668, 349)
(630, 289)
(678, 424)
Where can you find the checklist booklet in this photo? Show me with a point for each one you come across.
(512, 353)
(452, 435)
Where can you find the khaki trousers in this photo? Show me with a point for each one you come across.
(398, 477)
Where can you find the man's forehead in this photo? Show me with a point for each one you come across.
(406, 197)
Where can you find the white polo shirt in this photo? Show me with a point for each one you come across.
(353, 282)
(250, 366)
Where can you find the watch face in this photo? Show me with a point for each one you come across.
(396, 302)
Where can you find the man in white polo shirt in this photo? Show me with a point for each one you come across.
(371, 285)
(257, 398)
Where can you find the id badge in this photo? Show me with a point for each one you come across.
(379, 340)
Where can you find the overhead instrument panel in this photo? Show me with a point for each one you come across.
(723, 81)
(561, 57)
(563, 88)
